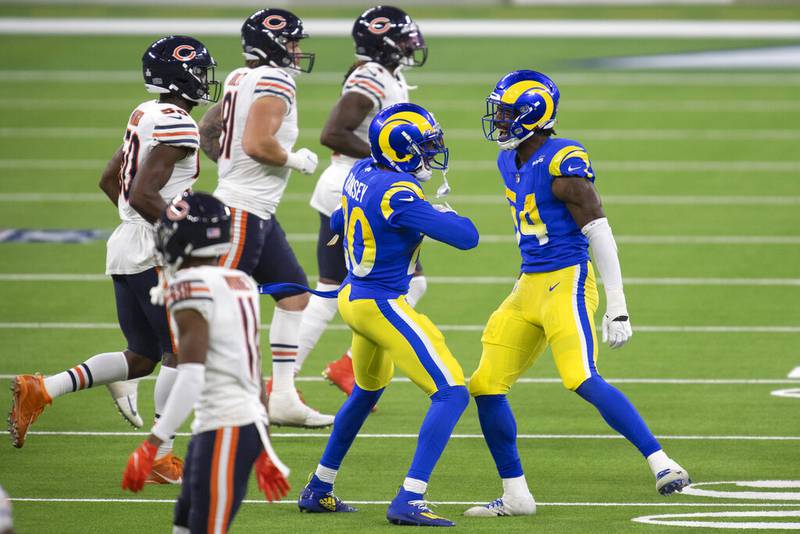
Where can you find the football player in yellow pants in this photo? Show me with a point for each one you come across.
(549, 185)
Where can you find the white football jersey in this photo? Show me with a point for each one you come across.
(131, 247)
(228, 300)
(384, 88)
(245, 183)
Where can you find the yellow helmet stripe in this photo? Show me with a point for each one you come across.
(513, 93)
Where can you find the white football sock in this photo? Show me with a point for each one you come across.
(416, 289)
(319, 312)
(283, 333)
(515, 487)
(164, 382)
(326, 474)
(658, 461)
(349, 353)
(415, 485)
(99, 369)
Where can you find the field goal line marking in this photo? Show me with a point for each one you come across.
(88, 433)
(453, 503)
(452, 280)
(531, 380)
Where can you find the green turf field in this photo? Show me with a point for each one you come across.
(700, 176)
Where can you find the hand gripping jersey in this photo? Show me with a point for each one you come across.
(384, 217)
(228, 300)
(384, 88)
(548, 237)
(245, 183)
(131, 247)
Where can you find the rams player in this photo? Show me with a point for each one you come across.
(384, 217)
(251, 135)
(158, 160)
(387, 40)
(549, 185)
(215, 317)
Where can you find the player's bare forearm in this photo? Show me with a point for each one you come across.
(109, 181)
(210, 129)
(581, 198)
(338, 133)
(154, 173)
(263, 121)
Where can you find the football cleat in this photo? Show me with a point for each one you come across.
(340, 374)
(166, 470)
(317, 502)
(268, 387)
(669, 481)
(414, 512)
(125, 393)
(504, 506)
(286, 409)
(29, 398)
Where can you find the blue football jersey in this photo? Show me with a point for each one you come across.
(381, 256)
(548, 237)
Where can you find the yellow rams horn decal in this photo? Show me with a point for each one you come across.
(399, 118)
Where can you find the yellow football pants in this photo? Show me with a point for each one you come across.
(389, 333)
(554, 308)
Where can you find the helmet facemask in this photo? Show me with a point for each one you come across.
(411, 46)
(432, 152)
(208, 85)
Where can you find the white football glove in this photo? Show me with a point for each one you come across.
(443, 208)
(616, 325)
(303, 160)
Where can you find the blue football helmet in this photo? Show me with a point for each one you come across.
(405, 137)
(265, 35)
(523, 103)
(193, 224)
(180, 65)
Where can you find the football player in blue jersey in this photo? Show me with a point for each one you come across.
(549, 185)
(383, 218)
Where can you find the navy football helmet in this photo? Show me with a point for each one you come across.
(193, 225)
(183, 66)
(265, 35)
(523, 102)
(388, 36)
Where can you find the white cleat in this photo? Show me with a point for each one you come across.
(673, 480)
(504, 506)
(286, 409)
(125, 394)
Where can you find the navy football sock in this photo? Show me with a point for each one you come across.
(500, 432)
(348, 422)
(619, 413)
(446, 408)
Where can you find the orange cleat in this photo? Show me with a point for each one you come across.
(166, 470)
(29, 398)
(340, 374)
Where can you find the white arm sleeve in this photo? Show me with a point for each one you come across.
(604, 251)
(185, 393)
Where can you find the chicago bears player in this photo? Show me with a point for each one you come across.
(157, 160)
(549, 185)
(383, 218)
(250, 135)
(387, 40)
(215, 318)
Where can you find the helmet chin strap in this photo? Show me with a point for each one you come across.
(514, 142)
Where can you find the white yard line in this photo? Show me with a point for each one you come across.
(485, 165)
(530, 380)
(454, 280)
(293, 502)
(318, 27)
(590, 79)
(478, 199)
(442, 327)
(292, 435)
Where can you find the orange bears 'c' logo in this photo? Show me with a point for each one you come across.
(379, 25)
(274, 22)
(178, 211)
(184, 53)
